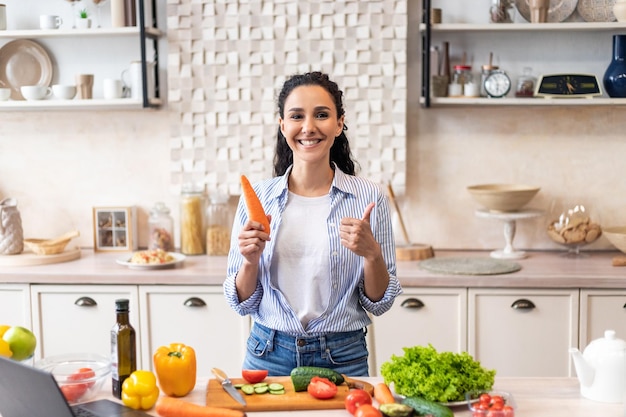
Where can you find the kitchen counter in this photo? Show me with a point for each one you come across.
(539, 270)
(535, 397)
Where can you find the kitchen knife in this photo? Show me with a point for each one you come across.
(228, 386)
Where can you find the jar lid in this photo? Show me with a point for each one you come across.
(488, 67)
(160, 207)
(463, 67)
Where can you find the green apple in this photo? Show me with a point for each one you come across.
(22, 342)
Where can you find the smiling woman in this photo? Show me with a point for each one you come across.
(328, 258)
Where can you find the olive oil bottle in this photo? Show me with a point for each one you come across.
(123, 347)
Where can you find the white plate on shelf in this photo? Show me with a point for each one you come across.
(178, 258)
(24, 62)
(559, 9)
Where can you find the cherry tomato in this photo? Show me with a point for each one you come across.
(322, 388)
(356, 398)
(484, 398)
(508, 411)
(254, 375)
(367, 410)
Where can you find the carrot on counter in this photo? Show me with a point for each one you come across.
(176, 407)
(383, 394)
(255, 208)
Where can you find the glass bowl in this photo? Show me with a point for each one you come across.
(491, 403)
(80, 376)
(573, 226)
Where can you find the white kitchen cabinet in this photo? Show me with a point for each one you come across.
(197, 316)
(79, 318)
(15, 305)
(523, 332)
(601, 310)
(418, 317)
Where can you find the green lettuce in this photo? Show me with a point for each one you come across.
(441, 377)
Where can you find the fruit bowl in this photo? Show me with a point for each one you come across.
(491, 403)
(617, 236)
(79, 376)
(502, 197)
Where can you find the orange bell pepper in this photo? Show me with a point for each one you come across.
(175, 367)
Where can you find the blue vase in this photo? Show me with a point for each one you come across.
(615, 75)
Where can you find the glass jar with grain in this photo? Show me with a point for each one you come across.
(219, 221)
(192, 208)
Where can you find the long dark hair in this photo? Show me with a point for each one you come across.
(340, 151)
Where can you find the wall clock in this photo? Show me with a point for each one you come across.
(568, 86)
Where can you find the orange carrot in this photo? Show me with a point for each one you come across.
(383, 394)
(176, 407)
(255, 209)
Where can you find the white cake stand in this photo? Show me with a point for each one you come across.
(509, 219)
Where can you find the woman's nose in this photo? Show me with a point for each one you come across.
(308, 126)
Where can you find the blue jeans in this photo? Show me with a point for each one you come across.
(279, 352)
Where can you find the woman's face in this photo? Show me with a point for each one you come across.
(310, 124)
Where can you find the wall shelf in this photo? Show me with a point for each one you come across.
(77, 104)
(528, 102)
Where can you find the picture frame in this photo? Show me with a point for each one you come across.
(115, 228)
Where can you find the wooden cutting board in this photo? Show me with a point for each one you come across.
(289, 401)
(28, 258)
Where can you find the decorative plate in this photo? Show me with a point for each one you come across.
(559, 9)
(178, 258)
(596, 10)
(24, 62)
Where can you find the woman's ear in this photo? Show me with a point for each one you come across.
(340, 125)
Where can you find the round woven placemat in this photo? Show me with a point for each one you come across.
(469, 266)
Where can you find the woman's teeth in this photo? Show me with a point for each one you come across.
(310, 142)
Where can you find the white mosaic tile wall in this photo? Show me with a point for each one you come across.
(228, 59)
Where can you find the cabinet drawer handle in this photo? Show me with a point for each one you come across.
(194, 302)
(415, 303)
(523, 304)
(86, 302)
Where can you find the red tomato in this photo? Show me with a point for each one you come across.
(83, 373)
(322, 388)
(367, 410)
(356, 398)
(254, 375)
(73, 392)
(484, 398)
(508, 411)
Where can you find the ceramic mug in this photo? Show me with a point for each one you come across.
(64, 92)
(48, 21)
(5, 93)
(112, 88)
(35, 92)
(539, 10)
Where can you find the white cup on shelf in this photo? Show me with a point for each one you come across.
(112, 88)
(5, 93)
(49, 21)
(64, 92)
(35, 92)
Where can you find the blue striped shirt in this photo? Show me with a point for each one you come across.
(348, 306)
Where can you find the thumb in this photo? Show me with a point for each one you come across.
(368, 211)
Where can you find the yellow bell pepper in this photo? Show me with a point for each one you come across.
(5, 349)
(140, 390)
(175, 367)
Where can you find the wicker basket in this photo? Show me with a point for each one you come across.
(50, 246)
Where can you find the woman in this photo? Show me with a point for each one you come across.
(329, 257)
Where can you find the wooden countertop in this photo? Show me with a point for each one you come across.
(535, 397)
(539, 270)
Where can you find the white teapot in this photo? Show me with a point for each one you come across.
(601, 369)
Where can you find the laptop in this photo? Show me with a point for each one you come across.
(26, 391)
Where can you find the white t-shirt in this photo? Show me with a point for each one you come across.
(300, 268)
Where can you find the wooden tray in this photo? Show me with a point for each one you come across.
(289, 401)
(28, 257)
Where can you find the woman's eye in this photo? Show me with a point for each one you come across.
(322, 115)
(296, 117)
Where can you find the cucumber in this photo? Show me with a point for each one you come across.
(261, 389)
(302, 375)
(248, 389)
(423, 407)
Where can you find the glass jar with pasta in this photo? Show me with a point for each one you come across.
(219, 222)
(192, 207)
(161, 228)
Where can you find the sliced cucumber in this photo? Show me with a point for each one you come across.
(261, 389)
(247, 389)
